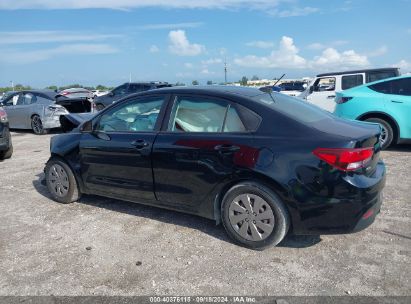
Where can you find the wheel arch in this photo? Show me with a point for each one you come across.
(258, 178)
(387, 117)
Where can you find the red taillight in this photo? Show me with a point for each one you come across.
(340, 100)
(65, 93)
(368, 214)
(3, 115)
(345, 159)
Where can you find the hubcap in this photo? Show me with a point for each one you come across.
(251, 217)
(58, 180)
(37, 125)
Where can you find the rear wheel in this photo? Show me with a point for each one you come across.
(387, 132)
(61, 182)
(254, 216)
(37, 125)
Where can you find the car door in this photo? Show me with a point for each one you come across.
(9, 105)
(399, 104)
(323, 93)
(20, 111)
(203, 143)
(116, 156)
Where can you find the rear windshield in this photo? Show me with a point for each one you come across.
(294, 108)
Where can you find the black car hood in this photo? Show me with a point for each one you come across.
(73, 120)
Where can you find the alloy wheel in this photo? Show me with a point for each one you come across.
(59, 181)
(251, 217)
(37, 125)
(383, 135)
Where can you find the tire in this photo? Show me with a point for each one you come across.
(61, 182)
(259, 232)
(8, 153)
(99, 107)
(37, 125)
(387, 135)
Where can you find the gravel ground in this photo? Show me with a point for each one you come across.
(100, 246)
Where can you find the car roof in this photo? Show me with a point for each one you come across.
(49, 93)
(356, 71)
(211, 89)
(75, 90)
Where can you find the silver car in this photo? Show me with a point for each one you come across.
(40, 110)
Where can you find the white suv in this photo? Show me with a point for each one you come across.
(322, 89)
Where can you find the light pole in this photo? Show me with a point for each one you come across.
(12, 84)
(225, 70)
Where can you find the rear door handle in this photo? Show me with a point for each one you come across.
(331, 96)
(140, 144)
(396, 101)
(226, 149)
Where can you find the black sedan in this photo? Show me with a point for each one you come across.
(262, 163)
(6, 147)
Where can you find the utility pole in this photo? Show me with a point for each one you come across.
(12, 84)
(130, 78)
(225, 70)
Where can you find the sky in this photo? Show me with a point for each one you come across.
(91, 42)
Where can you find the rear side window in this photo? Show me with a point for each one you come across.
(350, 81)
(198, 114)
(382, 87)
(379, 75)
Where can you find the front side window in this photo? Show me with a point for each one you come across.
(121, 90)
(401, 87)
(350, 81)
(134, 88)
(324, 84)
(134, 116)
(196, 114)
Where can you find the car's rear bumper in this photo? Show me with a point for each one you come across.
(50, 122)
(352, 205)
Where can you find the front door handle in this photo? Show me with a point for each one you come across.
(226, 148)
(140, 144)
(331, 96)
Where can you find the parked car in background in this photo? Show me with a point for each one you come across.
(40, 110)
(6, 146)
(76, 93)
(97, 93)
(321, 91)
(386, 102)
(126, 89)
(259, 162)
(293, 88)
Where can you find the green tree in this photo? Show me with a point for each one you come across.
(52, 87)
(255, 77)
(209, 82)
(194, 82)
(244, 81)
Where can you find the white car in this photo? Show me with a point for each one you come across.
(321, 91)
(97, 93)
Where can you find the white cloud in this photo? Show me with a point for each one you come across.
(27, 37)
(188, 65)
(170, 26)
(331, 58)
(154, 49)
(180, 45)
(132, 4)
(261, 44)
(294, 12)
(207, 72)
(321, 46)
(211, 61)
(23, 57)
(379, 52)
(404, 65)
(286, 57)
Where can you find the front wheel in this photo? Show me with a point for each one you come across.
(254, 216)
(61, 182)
(387, 133)
(37, 125)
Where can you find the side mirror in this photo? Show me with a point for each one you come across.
(311, 89)
(87, 127)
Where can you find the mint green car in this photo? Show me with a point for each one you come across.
(387, 102)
